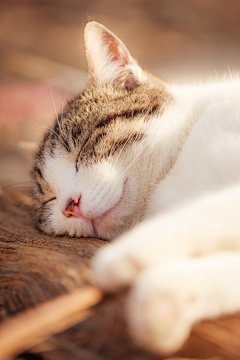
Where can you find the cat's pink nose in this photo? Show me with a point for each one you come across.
(73, 208)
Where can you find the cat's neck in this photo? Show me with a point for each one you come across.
(178, 141)
(168, 132)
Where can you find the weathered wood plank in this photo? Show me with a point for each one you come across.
(33, 326)
(35, 268)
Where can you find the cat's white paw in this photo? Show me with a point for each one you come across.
(150, 243)
(163, 306)
(114, 270)
(199, 228)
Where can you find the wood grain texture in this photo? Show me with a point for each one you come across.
(35, 268)
(36, 325)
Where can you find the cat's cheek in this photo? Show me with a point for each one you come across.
(119, 218)
(107, 228)
(104, 228)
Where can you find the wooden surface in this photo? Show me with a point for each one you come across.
(35, 268)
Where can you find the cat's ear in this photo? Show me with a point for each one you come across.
(109, 61)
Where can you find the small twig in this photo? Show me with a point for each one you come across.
(25, 330)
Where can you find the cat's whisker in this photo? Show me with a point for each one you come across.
(19, 181)
(120, 152)
(16, 183)
(20, 209)
(57, 119)
(16, 186)
(52, 98)
(126, 143)
(62, 109)
(131, 164)
(54, 132)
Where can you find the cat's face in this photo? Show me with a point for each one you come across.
(90, 173)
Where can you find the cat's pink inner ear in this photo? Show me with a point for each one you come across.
(109, 61)
(119, 54)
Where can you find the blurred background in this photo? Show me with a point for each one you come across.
(42, 61)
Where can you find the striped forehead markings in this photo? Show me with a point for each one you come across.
(134, 137)
(82, 125)
(127, 114)
(110, 119)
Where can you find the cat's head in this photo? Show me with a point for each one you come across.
(93, 172)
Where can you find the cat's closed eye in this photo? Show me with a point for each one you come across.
(47, 201)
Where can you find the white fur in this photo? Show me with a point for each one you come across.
(99, 186)
(174, 260)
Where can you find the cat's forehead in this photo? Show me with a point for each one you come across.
(98, 107)
(101, 120)
(108, 119)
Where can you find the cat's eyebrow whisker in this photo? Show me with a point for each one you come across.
(120, 152)
(64, 101)
(112, 151)
(54, 132)
(132, 162)
(62, 108)
(131, 165)
(60, 128)
(53, 100)
(52, 96)
(127, 142)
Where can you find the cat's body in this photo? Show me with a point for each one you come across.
(133, 148)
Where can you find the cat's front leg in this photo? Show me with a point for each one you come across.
(166, 301)
(119, 263)
(208, 225)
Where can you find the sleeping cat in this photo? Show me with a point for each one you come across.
(131, 149)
